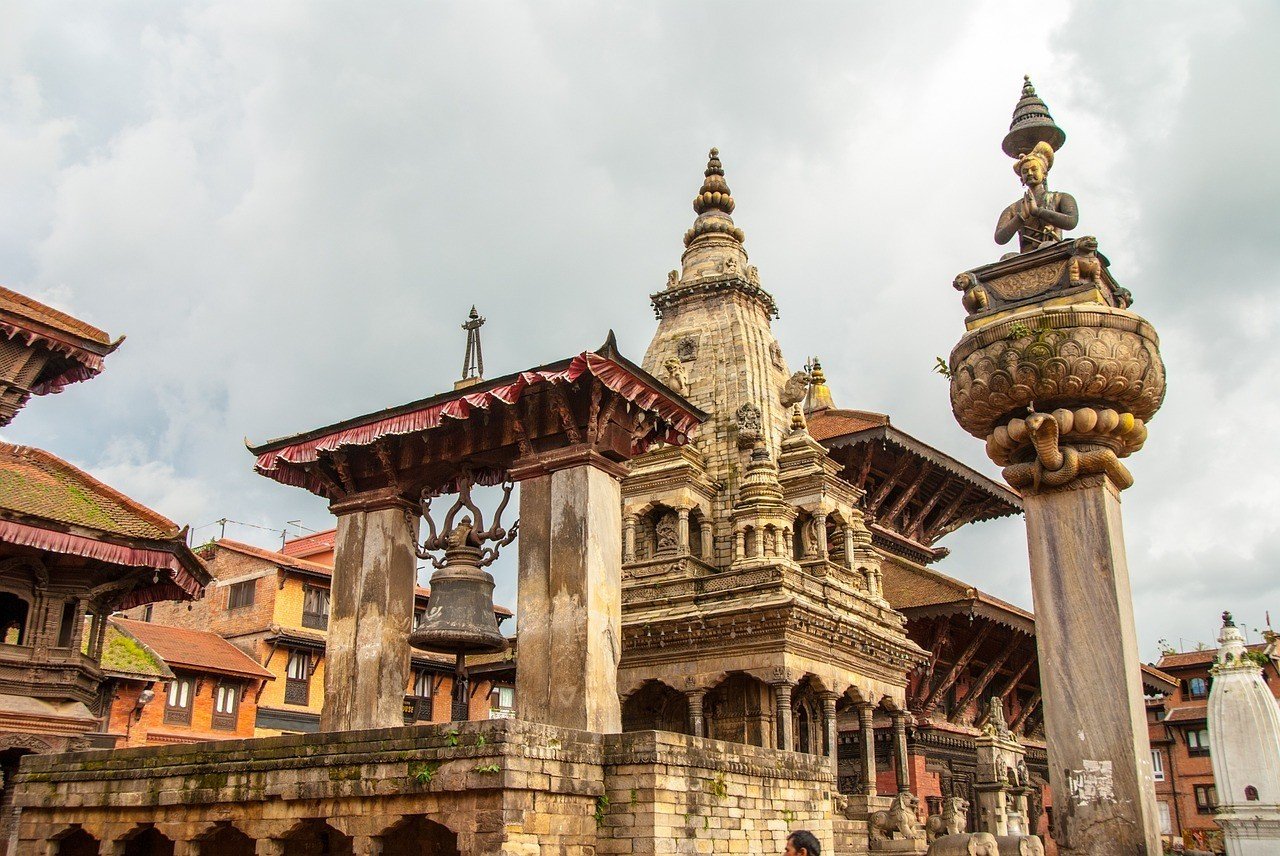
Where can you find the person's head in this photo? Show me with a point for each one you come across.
(802, 842)
(1034, 166)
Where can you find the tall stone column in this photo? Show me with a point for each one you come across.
(682, 530)
(708, 546)
(820, 533)
(867, 747)
(901, 761)
(570, 590)
(832, 737)
(370, 613)
(696, 725)
(782, 710)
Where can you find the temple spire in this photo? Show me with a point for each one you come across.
(473, 360)
(713, 204)
(819, 395)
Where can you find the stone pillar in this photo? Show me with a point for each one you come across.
(739, 545)
(782, 709)
(696, 726)
(682, 531)
(901, 762)
(832, 738)
(1095, 719)
(629, 538)
(848, 551)
(708, 545)
(820, 532)
(370, 613)
(867, 739)
(569, 600)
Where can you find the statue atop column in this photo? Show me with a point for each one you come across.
(1041, 215)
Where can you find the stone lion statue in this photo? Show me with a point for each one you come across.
(899, 821)
(952, 820)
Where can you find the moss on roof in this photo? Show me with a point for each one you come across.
(123, 654)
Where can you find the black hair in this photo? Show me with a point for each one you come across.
(803, 839)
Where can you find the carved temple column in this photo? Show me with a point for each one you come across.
(901, 761)
(696, 726)
(629, 538)
(832, 736)
(848, 551)
(739, 545)
(867, 746)
(570, 590)
(370, 612)
(782, 710)
(708, 545)
(682, 531)
(820, 533)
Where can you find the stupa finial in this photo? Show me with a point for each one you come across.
(819, 396)
(473, 360)
(713, 204)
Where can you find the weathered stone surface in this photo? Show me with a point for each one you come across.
(371, 613)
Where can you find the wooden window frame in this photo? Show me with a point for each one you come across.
(1191, 693)
(297, 691)
(226, 720)
(496, 711)
(1200, 748)
(1157, 765)
(235, 589)
(176, 714)
(1206, 798)
(311, 618)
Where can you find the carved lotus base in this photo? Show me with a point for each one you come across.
(1097, 369)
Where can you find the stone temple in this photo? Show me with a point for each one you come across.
(727, 626)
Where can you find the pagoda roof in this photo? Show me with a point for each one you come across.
(194, 650)
(126, 656)
(49, 504)
(77, 347)
(670, 418)
(915, 494)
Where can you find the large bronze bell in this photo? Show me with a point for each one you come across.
(460, 618)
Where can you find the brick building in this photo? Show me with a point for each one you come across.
(175, 685)
(1177, 723)
(274, 606)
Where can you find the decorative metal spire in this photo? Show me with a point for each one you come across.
(819, 395)
(473, 362)
(1031, 124)
(714, 204)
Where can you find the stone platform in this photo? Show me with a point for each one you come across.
(501, 787)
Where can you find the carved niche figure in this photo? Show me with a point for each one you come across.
(665, 532)
(749, 426)
(677, 377)
(1041, 215)
(974, 296)
(794, 389)
(687, 349)
(673, 278)
(753, 275)
(775, 354)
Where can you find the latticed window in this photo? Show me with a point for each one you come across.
(297, 678)
(226, 703)
(177, 704)
(315, 607)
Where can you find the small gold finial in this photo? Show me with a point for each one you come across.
(797, 419)
(819, 397)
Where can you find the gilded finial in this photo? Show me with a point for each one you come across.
(819, 397)
(797, 419)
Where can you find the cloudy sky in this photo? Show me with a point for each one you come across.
(290, 207)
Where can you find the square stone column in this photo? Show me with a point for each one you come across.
(569, 601)
(1095, 720)
(370, 613)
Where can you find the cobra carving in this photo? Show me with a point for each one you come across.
(1056, 465)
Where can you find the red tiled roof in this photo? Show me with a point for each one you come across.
(15, 304)
(34, 483)
(309, 545)
(825, 424)
(1187, 714)
(197, 650)
(1205, 657)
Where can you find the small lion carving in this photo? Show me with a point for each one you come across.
(952, 820)
(899, 821)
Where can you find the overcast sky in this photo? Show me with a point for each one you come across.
(290, 207)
